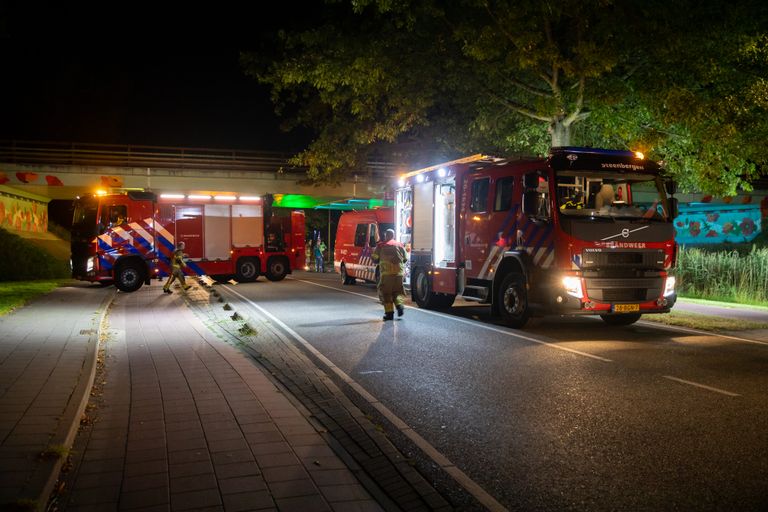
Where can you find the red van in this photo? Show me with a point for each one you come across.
(356, 237)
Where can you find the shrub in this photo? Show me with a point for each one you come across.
(731, 276)
(24, 261)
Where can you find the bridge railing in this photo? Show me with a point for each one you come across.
(114, 155)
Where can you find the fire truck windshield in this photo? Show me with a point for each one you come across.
(611, 196)
(84, 218)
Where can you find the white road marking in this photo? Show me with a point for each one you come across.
(474, 324)
(702, 386)
(697, 331)
(470, 485)
(370, 371)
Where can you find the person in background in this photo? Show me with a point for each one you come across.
(177, 272)
(319, 251)
(391, 257)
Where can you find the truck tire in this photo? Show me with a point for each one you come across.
(617, 320)
(129, 276)
(345, 278)
(513, 301)
(277, 269)
(423, 294)
(247, 270)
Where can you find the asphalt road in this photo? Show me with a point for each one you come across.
(568, 414)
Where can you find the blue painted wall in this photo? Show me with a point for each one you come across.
(707, 223)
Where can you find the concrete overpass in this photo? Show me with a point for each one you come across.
(66, 170)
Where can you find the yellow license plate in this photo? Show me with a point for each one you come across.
(626, 308)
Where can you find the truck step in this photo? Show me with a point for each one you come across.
(472, 292)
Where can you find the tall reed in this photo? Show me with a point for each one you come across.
(723, 275)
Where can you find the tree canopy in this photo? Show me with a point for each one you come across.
(420, 81)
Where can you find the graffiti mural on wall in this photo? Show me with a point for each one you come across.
(707, 223)
(21, 214)
(29, 178)
(33, 178)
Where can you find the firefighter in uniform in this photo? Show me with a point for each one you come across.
(177, 264)
(391, 257)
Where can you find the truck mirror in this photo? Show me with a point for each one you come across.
(673, 208)
(531, 180)
(671, 187)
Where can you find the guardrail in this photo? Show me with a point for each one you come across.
(114, 155)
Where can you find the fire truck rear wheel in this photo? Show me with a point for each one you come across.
(626, 319)
(513, 301)
(423, 294)
(129, 276)
(247, 270)
(277, 269)
(345, 278)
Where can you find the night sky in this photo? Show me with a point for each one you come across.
(141, 77)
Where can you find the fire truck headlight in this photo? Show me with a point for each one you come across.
(669, 286)
(572, 285)
(89, 264)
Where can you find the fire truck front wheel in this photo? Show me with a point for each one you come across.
(513, 301)
(277, 269)
(625, 319)
(247, 270)
(129, 276)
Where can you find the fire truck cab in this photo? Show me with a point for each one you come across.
(583, 231)
(357, 234)
(127, 239)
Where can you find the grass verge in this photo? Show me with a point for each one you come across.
(704, 322)
(14, 294)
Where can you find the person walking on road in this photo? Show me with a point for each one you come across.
(391, 257)
(319, 251)
(177, 272)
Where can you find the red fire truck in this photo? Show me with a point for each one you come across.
(127, 239)
(357, 234)
(583, 231)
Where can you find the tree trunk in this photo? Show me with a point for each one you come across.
(560, 132)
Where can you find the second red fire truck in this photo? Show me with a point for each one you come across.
(583, 231)
(127, 239)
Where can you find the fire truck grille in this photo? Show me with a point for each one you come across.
(651, 259)
(624, 290)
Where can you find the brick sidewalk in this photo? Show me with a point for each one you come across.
(47, 357)
(185, 421)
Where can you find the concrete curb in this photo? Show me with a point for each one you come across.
(42, 482)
